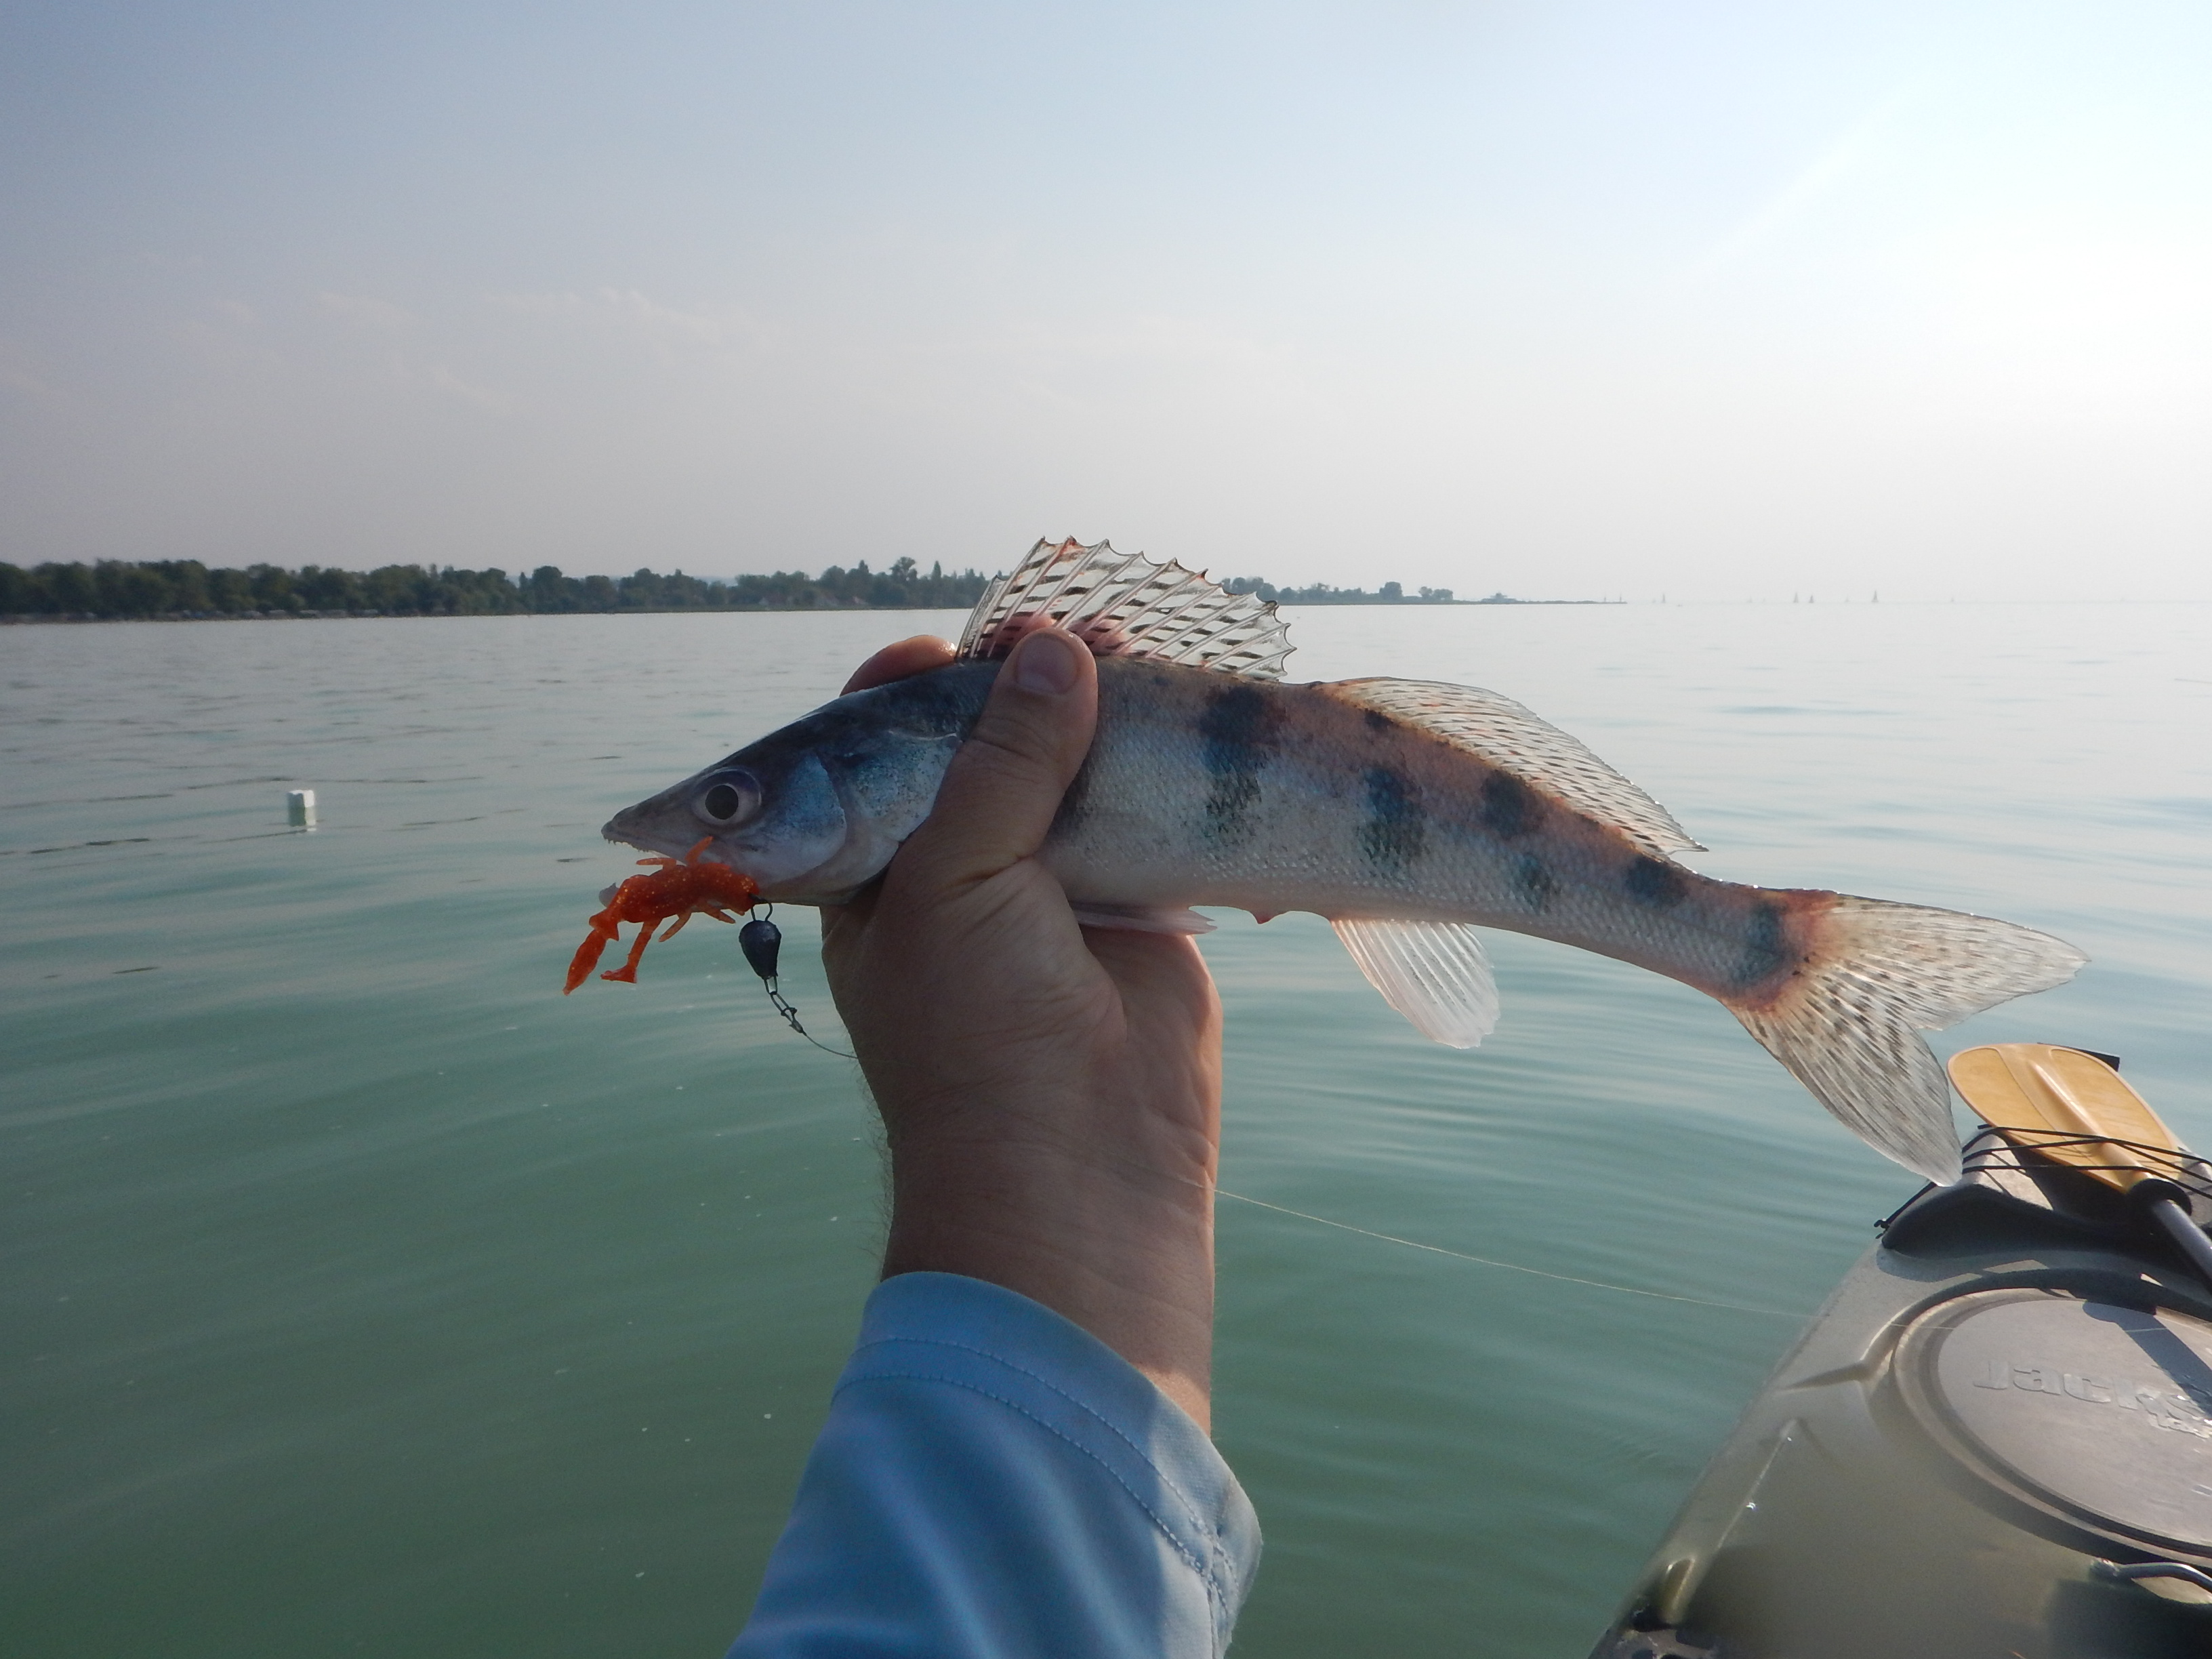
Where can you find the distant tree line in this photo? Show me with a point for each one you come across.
(113, 588)
(1322, 593)
(185, 588)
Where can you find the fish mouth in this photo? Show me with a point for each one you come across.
(643, 827)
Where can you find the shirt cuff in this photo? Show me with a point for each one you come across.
(995, 1480)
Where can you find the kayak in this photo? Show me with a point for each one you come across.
(1993, 1442)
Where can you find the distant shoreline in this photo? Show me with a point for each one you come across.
(186, 589)
(82, 619)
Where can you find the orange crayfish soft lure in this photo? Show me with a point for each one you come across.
(682, 887)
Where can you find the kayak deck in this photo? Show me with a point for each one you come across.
(2006, 1404)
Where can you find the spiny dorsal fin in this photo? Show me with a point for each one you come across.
(1122, 604)
(1501, 732)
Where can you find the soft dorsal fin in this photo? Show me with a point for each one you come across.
(1501, 732)
(1434, 973)
(1122, 604)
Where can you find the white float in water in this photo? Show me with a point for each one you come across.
(300, 809)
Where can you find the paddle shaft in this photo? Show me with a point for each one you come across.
(2186, 1233)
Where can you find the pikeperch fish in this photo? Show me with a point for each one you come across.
(1407, 812)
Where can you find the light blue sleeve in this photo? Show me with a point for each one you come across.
(993, 1481)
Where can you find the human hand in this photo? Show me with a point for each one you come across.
(1051, 1095)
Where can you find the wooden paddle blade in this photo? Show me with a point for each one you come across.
(2065, 1104)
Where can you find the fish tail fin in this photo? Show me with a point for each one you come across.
(1847, 1023)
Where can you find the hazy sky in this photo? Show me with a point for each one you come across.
(1563, 298)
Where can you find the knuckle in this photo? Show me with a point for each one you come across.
(1010, 749)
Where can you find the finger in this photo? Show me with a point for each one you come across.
(896, 662)
(1004, 786)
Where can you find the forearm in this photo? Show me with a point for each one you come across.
(1122, 1247)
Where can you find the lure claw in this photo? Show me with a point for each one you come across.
(682, 888)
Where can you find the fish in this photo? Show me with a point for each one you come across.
(1410, 814)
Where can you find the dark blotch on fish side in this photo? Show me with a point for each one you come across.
(1377, 721)
(1656, 883)
(1766, 947)
(1533, 881)
(1239, 727)
(1397, 825)
(1074, 805)
(1510, 807)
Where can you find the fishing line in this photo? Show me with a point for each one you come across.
(1512, 1267)
(760, 939)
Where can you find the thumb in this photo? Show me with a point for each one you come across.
(1001, 791)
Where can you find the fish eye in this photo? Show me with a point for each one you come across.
(731, 799)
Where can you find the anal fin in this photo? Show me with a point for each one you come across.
(1434, 973)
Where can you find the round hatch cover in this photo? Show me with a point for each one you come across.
(2101, 1412)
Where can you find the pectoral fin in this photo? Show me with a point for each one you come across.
(1432, 972)
(1138, 919)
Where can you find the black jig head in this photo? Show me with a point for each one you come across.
(761, 940)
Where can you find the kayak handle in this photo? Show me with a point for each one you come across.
(2187, 1574)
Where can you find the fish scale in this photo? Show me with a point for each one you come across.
(1409, 813)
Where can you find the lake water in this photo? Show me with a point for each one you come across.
(363, 1295)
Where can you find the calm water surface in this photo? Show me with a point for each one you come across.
(363, 1295)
